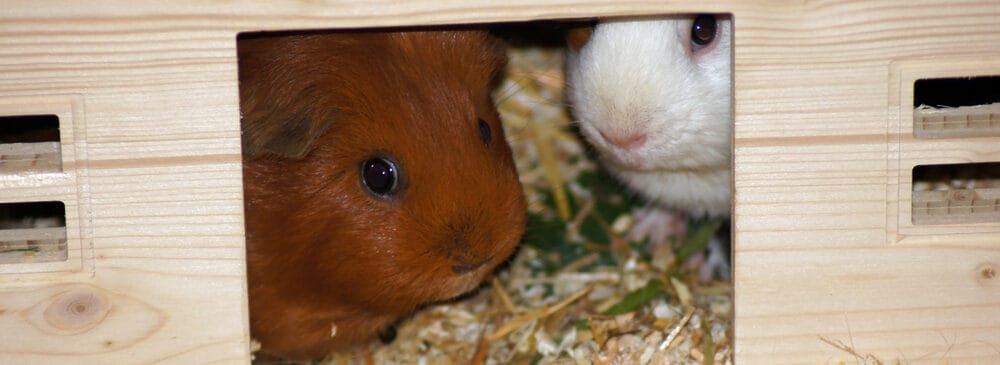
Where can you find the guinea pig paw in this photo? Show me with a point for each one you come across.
(716, 262)
(655, 224)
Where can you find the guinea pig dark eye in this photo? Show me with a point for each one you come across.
(379, 176)
(703, 31)
(484, 131)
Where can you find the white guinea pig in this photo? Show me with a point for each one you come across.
(653, 97)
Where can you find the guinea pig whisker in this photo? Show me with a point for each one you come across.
(546, 78)
(507, 90)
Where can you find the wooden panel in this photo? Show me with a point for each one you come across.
(153, 197)
(159, 274)
(824, 249)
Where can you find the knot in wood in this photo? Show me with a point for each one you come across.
(987, 272)
(76, 310)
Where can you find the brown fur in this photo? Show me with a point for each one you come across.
(577, 36)
(320, 249)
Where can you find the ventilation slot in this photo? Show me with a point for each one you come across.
(957, 107)
(32, 232)
(29, 143)
(958, 193)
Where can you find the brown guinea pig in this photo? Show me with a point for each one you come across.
(377, 179)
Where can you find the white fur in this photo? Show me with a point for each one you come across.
(642, 77)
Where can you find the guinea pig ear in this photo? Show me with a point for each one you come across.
(578, 35)
(285, 101)
(287, 130)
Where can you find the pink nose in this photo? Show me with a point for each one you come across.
(626, 142)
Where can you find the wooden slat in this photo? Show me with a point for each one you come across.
(956, 206)
(966, 121)
(28, 245)
(29, 157)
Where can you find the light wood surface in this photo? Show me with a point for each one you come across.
(825, 247)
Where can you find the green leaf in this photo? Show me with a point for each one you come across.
(638, 298)
(544, 233)
(612, 198)
(697, 238)
(548, 234)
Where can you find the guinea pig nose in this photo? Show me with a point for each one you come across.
(464, 268)
(625, 142)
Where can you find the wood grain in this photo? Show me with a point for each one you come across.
(824, 242)
(823, 148)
